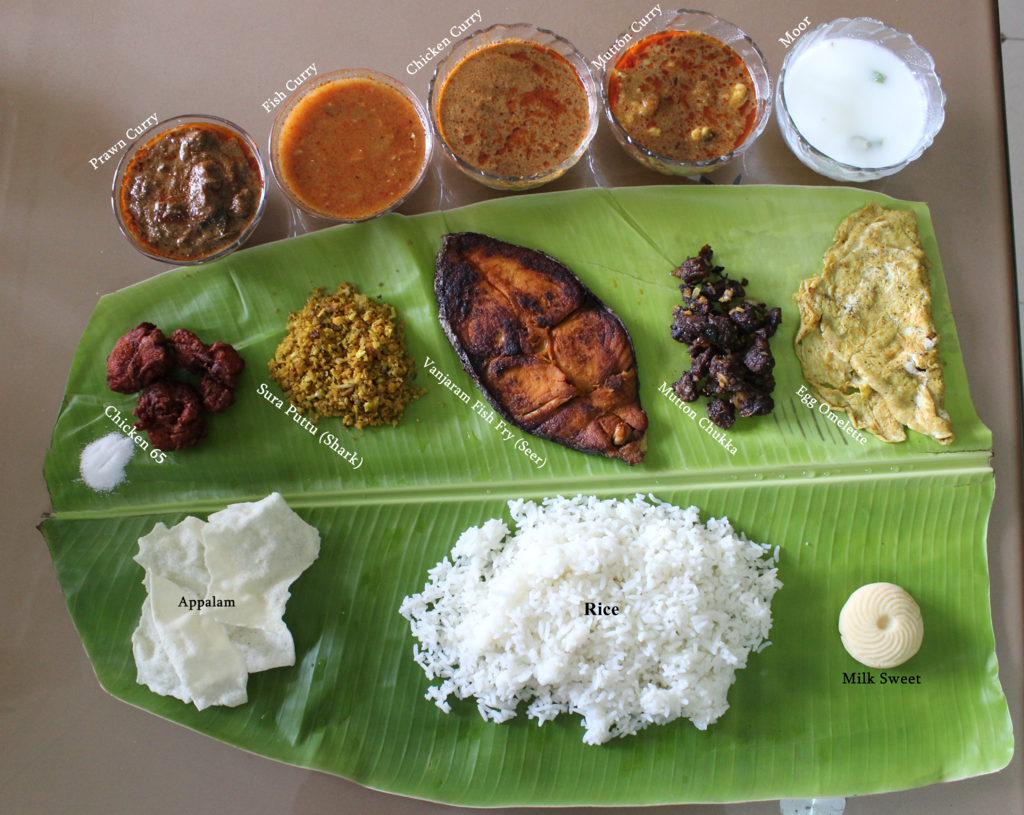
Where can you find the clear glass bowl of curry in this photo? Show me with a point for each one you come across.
(190, 190)
(686, 94)
(514, 106)
(350, 145)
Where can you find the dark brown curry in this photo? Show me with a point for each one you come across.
(191, 192)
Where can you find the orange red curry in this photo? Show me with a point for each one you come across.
(352, 148)
(683, 95)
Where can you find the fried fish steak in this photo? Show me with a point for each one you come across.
(867, 341)
(550, 357)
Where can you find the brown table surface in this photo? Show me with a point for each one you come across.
(75, 76)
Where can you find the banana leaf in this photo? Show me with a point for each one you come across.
(842, 513)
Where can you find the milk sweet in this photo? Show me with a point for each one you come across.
(856, 102)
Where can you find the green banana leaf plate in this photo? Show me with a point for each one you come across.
(843, 514)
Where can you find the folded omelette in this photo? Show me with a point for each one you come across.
(867, 342)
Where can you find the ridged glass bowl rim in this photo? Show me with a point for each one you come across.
(582, 70)
(317, 82)
(150, 135)
(889, 169)
(675, 15)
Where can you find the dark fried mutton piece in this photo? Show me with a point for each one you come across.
(727, 337)
(753, 402)
(686, 387)
(139, 358)
(759, 357)
(171, 413)
(696, 270)
(722, 413)
(218, 364)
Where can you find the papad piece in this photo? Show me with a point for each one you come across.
(263, 649)
(254, 552)
(182, 646)
(177, 554)
(154, 667)
(867, 340)
(210, 667)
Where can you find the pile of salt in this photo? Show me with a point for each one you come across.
(103, 461)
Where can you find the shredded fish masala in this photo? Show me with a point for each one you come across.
(345, 356)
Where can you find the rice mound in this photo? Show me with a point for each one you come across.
(504, 621)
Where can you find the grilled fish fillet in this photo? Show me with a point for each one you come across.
(550, 357)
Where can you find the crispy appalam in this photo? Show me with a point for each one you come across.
(249, 553)
(867, 342)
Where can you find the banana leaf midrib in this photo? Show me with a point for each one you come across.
(967, 463)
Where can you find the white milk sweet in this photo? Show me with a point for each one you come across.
(856, 102)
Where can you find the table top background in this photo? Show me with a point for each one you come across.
(74, 77)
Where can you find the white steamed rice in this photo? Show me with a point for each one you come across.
(504, 621)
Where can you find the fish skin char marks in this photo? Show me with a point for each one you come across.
(546, 353)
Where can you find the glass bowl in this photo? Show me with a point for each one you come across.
(145, 140)
(300, 95)
(702, 23)
(902, 45)
(520, 32)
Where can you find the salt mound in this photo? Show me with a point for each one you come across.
(103, 461)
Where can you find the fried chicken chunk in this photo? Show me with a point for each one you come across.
(139, 358)
(219, 365)
(171, 413)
